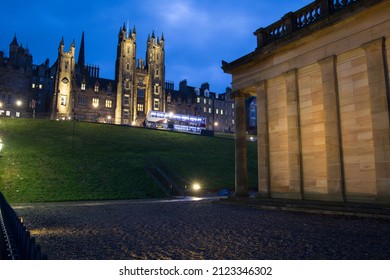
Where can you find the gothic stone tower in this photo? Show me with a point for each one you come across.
(140, 88)
(155, 56)
(62, 106)
(125, 76)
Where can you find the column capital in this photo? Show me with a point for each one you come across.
(290, 72)
(261, 84)
(374, 44)
(239, 93)
(326, 60)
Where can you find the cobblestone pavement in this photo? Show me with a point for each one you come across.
(184, 230)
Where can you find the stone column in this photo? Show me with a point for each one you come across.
(294, 136)
(262, 140)
(379, 102)
(334, 167)
(241, 169)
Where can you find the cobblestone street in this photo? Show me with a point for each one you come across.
(199, 230)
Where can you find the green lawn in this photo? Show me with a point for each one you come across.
(40, 163)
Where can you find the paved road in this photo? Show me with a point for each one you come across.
(199, 230)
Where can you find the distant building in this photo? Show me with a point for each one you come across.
(71, 88)
(25, 88)
(218, 109)
(139, 84)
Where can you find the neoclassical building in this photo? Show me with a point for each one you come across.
(321, 79)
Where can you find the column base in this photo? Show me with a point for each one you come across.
(241, 194)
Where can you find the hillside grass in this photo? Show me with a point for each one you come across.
(46, 160)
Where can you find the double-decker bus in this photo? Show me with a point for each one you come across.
(178, 122)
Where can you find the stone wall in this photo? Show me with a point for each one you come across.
(324, 129)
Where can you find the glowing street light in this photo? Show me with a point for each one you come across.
(196, 187)
(18, 103)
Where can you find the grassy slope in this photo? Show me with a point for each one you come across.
(38, 162)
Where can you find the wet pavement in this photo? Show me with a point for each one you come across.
(190, 229)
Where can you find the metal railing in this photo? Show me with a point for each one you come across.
(16, 242)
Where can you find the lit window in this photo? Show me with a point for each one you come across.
(204, 109)
(210, 101)
(216, 111)
(205, 101)
(63, 100)
(221, 111)
(140, 107)
(40, 86)
(96, 88)
(126, 100)
(156, 105)
(95, 102)
(210, 110)
(33, 85)
(108, 103)
(232, 105)
(83, 86)
(198, 99)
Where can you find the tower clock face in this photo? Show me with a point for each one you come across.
(65, 81)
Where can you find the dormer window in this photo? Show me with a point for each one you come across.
(97, 88)
(82, 86)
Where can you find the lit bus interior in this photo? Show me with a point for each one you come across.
(171, 121)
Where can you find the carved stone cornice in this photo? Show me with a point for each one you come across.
(239, 93)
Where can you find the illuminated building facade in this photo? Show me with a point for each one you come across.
(321, 79)
(218, 109)
(139, 84)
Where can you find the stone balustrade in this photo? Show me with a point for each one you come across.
(294, 21)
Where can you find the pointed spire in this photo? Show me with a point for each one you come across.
(162, 37)
(134, 31)
(148, 38)
(153, 35)
(81, 59)
(15, 41)
(62, 41)
(124, 26)
(73, 44)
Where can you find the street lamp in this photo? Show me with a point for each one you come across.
(1, 145)
(18, 103)
(196, 187)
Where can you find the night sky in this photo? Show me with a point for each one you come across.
(198, 33)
